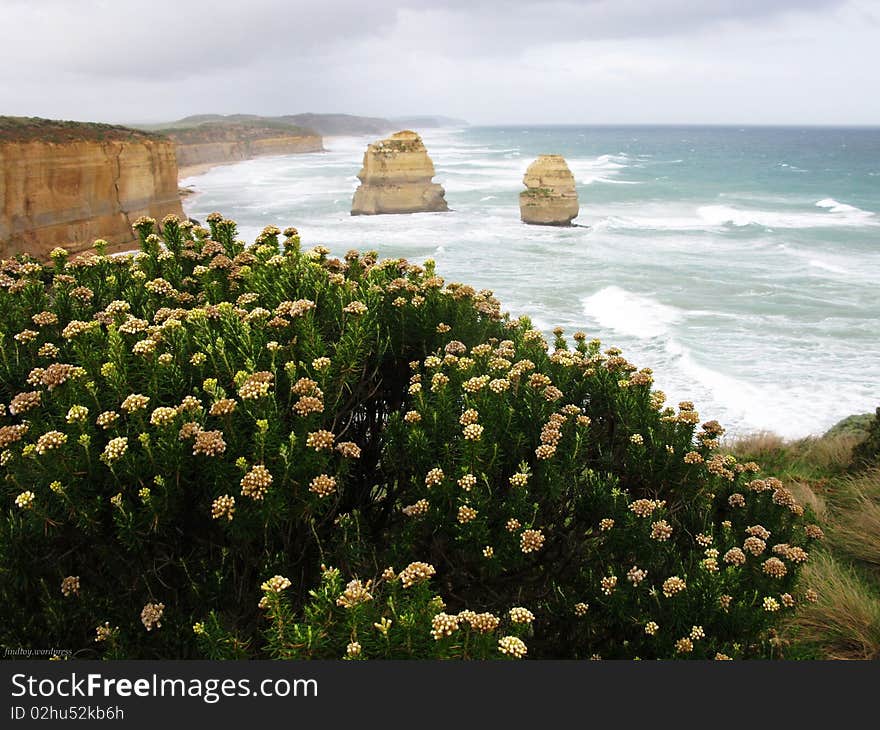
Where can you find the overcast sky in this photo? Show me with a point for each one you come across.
(487, 61)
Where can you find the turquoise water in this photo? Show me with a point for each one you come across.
(742, 265)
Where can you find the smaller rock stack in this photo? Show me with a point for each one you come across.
(550, 198)
(396, 178)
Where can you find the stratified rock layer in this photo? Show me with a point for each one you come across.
(68, 190)
(206, 145)
(550, 198)
(396, 178)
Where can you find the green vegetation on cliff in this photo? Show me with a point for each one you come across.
(323, 124)
(36, 129)
(233, 131)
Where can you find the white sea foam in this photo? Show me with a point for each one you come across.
(826, 266)
(628, 313)
(793, 168)
(611, 181)
(601, 169)
(747, 406)
(823, 263)
(723, 215)
(835, 207)
(784, 284)
(674, 221)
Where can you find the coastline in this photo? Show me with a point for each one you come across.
(188, 171)
(188, 189)
(717, 337)
(201, 168)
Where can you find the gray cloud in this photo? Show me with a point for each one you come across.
(156, 59)
(147, 38)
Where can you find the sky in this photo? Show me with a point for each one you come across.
(486, 61)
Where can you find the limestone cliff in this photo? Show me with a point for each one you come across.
(220, 143)
(67, 184)
(550, 198)
(396, 178)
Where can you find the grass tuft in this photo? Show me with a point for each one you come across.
(845, 622)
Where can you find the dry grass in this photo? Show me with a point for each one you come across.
(756, 445)
(808, 497)
(845, 622)
(855, 527)
(831, 452)
(845, 571)
(859, 535)
(812, 459)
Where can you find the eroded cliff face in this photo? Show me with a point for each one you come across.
(212, 144)
(70, 193)
(550, 198)
(396, 178)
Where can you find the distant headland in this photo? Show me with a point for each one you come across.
(207, 140)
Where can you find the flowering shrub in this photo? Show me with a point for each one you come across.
(397, 616)
(181, 424)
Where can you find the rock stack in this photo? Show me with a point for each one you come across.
(550, 198)
(396, 178)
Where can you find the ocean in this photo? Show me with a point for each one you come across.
(741, 264)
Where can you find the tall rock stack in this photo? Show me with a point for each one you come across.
(396, 178)
(550, 198)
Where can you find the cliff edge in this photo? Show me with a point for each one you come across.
(69, 183)
(396, 178)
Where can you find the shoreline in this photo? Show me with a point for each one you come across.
(200, 169)
(620, 304)
(204, 167)
(187, 190)
(184, 173)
